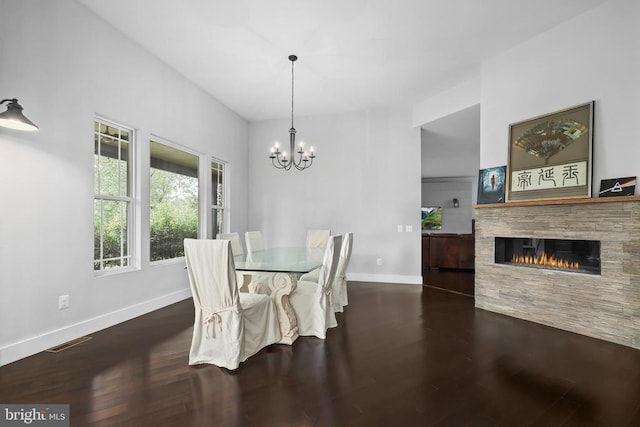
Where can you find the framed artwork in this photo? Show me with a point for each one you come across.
(551, 156)
(491, 185)
(618, 187)
(431, 218)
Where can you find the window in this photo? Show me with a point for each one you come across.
(218, 196)
(174, 200)
(112, 196)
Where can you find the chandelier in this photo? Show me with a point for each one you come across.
(305, 159)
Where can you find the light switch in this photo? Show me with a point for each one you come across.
(408, 228)
(400, 229)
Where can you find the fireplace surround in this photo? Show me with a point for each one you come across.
(577, 256)
(604, 305)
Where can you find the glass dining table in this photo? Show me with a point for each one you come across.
(284, 267)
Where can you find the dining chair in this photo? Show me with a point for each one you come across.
(317, 238)
(236, 243)
(254, 241)
(236, 249)
(229, 326)
(259, 283)
(311, 301)
(339, 297)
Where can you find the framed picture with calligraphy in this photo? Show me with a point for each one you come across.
(550, 156)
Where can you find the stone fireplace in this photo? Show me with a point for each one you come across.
(600, 298)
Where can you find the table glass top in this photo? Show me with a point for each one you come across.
(285, 260)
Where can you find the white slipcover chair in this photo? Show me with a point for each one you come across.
(230, 326)
(311, 301)
(254, 241)
(318, 238)
(244, 279)
(339, 297)
(259, 281)
(236, 243)
(339, 287)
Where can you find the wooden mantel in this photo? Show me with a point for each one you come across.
(569, 201)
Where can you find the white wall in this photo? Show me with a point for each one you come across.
(65, 65)
(596, 56)
(450, 101)
(366, 179)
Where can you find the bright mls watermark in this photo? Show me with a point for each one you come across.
(31, 414)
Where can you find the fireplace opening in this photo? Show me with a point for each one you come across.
(580, 256)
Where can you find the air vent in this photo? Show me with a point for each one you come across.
(69, 344)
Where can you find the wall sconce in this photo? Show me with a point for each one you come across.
(13, 117)
(456, 203)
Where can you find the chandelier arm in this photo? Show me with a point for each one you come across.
(278, 165)
(301, 168)
(298, 162)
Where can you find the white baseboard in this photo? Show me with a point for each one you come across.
(31, 346)
(385, 278)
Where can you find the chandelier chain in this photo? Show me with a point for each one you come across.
(292, 62)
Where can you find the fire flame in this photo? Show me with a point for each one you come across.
(545, 260)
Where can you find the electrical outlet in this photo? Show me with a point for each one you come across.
(63, 302)
(379, 261)
(408, 228)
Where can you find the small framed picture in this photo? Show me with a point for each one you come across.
(618, 187)
(432, 218)
(491, 185)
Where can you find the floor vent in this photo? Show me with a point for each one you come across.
(69, 344)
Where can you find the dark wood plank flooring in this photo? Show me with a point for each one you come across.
(461, 281)
(402, 355)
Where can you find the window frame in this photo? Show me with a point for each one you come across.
(129, 201)
(224, 227)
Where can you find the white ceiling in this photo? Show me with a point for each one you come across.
(353, 54)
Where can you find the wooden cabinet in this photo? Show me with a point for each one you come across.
(455, 251)
(425, 252)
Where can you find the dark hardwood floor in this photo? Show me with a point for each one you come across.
(461, 281)
(402, 355)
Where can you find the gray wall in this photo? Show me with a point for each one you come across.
(539, 77)
(365, 179)
(451, 144)
(450, 153)
(65, 65)
(441, 192)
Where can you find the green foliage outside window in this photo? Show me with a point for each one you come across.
(174, 213)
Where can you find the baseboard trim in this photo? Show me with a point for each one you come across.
(34, 345)
(385, 278)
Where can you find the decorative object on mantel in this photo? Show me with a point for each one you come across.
(305, 159)
(618, 187)
(13, 117)
(491, 185)
(551, 156)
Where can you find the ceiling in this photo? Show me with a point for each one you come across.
(353, 54)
